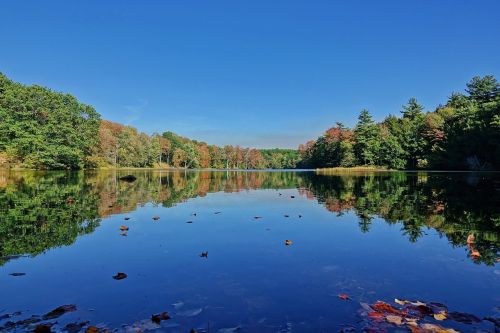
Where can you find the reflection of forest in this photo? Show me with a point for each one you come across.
(43, 210)
(454, 204)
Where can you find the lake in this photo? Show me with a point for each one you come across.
(227, 251)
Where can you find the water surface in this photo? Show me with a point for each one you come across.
(371, 236)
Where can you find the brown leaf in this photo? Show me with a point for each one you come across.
(345, 297)
(119, 276)
(288, 242)
(59, 311)
(92, 329)
(393, 319)
(43, 328)
(157, 318)
(124, 228)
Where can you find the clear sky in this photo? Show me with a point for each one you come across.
(255, 73)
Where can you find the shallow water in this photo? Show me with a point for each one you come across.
(372, 236)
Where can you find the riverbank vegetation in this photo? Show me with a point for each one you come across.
(462, 134)
(43, 129)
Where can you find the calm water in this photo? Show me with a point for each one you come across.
(374, 237)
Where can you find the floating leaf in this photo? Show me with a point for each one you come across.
(345, 297)
(393, 319)
(59, 311)
(124, 228)
(217, 212)
(17, 274)
(119, 276)
(127, 218)
(204, 254)
(440, 315)
(288, 242)
(157, 318)
(384, 307)
(257, 217)
(75, 327)
(92, 329)
(156, 218)
(465, 318)
(43, 328)
(286, 215)
(376, 315)
(401, 302)
(292, 196)
(189, 221)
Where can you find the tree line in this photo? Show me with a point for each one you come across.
(463, 134)
(43, 129)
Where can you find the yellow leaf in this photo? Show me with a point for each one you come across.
(400, 302)
(441, 315)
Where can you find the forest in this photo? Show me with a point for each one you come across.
(462, 134)
(43, 129)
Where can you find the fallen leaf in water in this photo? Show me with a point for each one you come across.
(194, 214)
(292, 196)
(43, 328)
(157, 318)
(257, 217)
(440, 315)
(123, 233)
(59, 311)
(204, 254)
(127, 218)
(189, 221)
(217, 212)
(17, 274)
(401, 302)
(75, 327)
(286, 215)
(417, 303)
(92, 329)
(421, 310)
(384, 307)
(470, 239)
(300, 216)
(376, 315)
(119, 276)
(156, 218)
(124, 228)
(288, 242)
(343, 296)
(393, 319)
(465, 318)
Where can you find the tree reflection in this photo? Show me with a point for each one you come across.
(39, 211)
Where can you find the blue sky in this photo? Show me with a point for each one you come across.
(255, 73)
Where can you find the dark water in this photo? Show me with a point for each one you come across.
(374, 237)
